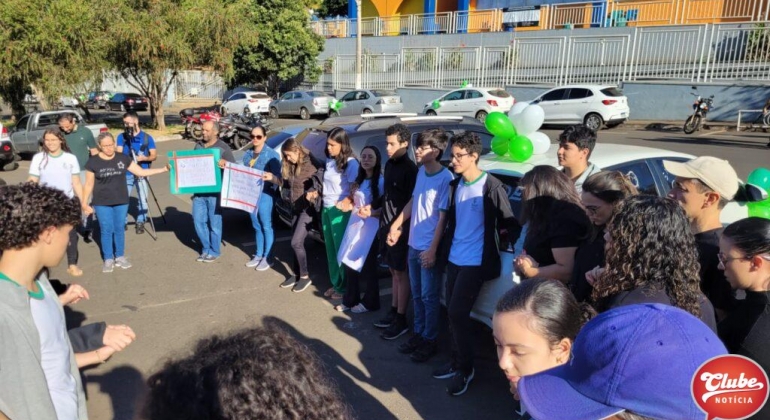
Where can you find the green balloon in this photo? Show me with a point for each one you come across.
(464, 84)
(520, 148)
(436, 104)
(499, 146)
(759, 210)
(499, 125)
(761, 178)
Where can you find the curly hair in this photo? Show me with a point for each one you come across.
(257, 373)
(399, 130)
(26, 210)
(651, 245)
(468, 141)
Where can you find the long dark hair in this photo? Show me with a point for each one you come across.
(59, 135)
(376, 173)
(544, 186)
(751, 235)
(340, 136)
(555, 313)
(651, 245)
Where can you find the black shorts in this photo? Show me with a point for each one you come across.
(395, 256)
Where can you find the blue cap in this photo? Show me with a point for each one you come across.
(639, 358)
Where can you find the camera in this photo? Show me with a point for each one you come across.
(128, 132)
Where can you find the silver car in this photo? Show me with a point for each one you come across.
(302, 103)
(360, 102)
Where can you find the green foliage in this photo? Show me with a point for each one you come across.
(333, 8)
(419, 61)
(453, 60)
(287, 48)
(758, 45)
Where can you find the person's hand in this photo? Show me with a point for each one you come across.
(267, 177)
(428, 258)
(593, 276)
(88, 210)
(118, 337)
(104, 353)
(345, 205)
(393, 235)
(354, 187)
(311, 196)
(222, 163)
(74, 294)
(167, 167)
(525, 265)
(365, 211)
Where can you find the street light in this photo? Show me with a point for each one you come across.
(358, 44)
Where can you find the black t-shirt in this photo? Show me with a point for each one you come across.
(400, 176)
(566, 226)
(110, 179)
(713, 283)
(655, 295)
(589, 254)
(225, 153)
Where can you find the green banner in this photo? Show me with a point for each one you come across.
(195, 171)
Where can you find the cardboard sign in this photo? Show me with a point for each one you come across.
(241, 187)
(195, 171)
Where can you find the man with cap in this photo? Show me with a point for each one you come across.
(636, 359)
(703, 187)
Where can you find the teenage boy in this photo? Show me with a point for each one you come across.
(478, 208)
(141, 145)
(39, 378)
(426, 213)
(703, 187)
(576, 143)
(400, 174)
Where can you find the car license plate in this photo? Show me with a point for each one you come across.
(392, 100)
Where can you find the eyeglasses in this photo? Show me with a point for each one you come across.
(725, 259)
(107, 146)
(257, 136)
(459, 156)
(425, 149)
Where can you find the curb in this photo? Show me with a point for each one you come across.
(169, 138)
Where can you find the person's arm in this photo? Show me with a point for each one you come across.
(428, 257)
(34, 165)
(561, 270)
(95, 357)
(141, 172)
(273, 172)
(119, 144)
(91, 143)
(152, 152)
(87, 190)
(395, 228)
(89, 337)
(77, 187)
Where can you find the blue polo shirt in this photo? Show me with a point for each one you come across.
(136, 144)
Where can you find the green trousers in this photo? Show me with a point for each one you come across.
(334, 222)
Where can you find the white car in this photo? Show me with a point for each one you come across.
(592, 105)
(68, 102)
(471, 102)
(256, 102)
(643, 166)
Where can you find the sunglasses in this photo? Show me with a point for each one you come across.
(257, 136)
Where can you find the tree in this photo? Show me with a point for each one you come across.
(48, 46)
(154, 39)
(333, 8)
(287, 48)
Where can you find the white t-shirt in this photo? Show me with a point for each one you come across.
(431, 195)
(55, 355)
(55, 171)
(468, 242)
(336, 184)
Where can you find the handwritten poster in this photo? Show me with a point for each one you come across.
(359, 236)
(241, 187)
(195, 171)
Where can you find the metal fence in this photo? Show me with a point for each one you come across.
(199, 85)
(696, 53)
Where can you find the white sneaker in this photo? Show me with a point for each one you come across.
(122, 262)
(108, 266)
(254, 262)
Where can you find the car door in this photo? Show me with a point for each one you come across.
(296, 102)
(451, 103)
(361, 100)
(472, 102)
(576, 105)
(235, 103)
(551, 104)
(283, 104)
(19, 135)
(347, 103)
(640, 175)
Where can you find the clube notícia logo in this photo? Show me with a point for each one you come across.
(730, 387)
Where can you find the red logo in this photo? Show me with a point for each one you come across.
(730, 387)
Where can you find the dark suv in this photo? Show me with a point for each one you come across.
(371, 131)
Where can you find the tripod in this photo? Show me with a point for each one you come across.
(146, 181)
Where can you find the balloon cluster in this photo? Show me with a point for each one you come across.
(336, 105)
(516, 135)
(760, 178)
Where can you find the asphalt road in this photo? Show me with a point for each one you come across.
(171, 301)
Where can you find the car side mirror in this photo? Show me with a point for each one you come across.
(537, 101)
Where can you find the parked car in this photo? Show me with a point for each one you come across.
(302, 103)
(255, 102)
(7, 152)
(592, 105)
(127, 102)
(26, 134)
(471, 102)
(360, 102)
(68, 102)
(98, 99)
(642, 165)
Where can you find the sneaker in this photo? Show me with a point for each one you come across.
(459, 383)
(387, 320)
(264, 265)
(122, 262)
(290, 282)
(139, 228)
(87, 236)
(424, 351)
(201, 258)
(341, 308)
(410, 345)
(254, 262)
(108, 266)
(446, 371)
(359, 309)
(396, 329)
(301, 285)
(210, 258)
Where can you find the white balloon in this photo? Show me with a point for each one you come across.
(517, 108)
(529, 120)
(540, 142)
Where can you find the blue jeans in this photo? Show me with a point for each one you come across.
(262, 220)
(111, 220)
(142, 192)
(207, 216)
(425, 294)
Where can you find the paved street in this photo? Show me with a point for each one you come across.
(171, 301)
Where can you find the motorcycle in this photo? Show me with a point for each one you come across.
(235, 129)
(193, 119)
(701, 107)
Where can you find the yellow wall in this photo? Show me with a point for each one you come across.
(382, 8)
(411, 7)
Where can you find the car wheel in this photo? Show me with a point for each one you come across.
(367, 111)
(303, 113)
(593, 121)
(274, 113)
(481, 116)
(430, 112)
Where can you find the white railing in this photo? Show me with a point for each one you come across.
(738, 54)
(644, 13)
(667, 53)
(395, 25)
(576, 15)
(709, 11)
(490, 20)
(431, 24)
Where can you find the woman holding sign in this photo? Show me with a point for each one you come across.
(341, 170)
(106, 179)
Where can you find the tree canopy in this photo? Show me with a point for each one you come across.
(333, 8)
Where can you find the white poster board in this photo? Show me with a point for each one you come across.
(241, 187)
(196, 171)
(358, 238)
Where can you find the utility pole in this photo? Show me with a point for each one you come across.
(358, 44)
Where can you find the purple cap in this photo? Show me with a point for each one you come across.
(639, 358)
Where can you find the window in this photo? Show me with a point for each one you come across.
(287, 96)
(639, 174)
(486, 140)
(349, 97)
(47, 120)
(579, 93)
(377, 141)
(454, 96)
(297, 95)
(22, 124)
(499, 93)
(473, 94)
(237, 96)
(381, 93)
(554, 95)
(117, 98)
(611, 91)
(667, 178)
(259, 96)
(315, 94)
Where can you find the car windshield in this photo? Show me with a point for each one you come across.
(316, 94)
(611, 91)
(260, 96)
(380, 93)
(499, 93)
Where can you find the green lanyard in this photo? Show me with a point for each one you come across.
(35, 295)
